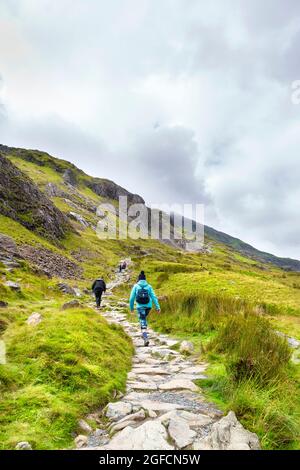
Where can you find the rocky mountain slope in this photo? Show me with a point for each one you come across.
(22, 200)
(64, 362)
(75, 178)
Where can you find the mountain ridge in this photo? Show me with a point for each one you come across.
(73, 176)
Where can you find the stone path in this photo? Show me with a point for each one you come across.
(162, 408)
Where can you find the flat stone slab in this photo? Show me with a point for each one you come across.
(151, 435)
(180, 432)
(150, 371)
(195, 369)
(142, 385)
(118, 410)
(181, 384)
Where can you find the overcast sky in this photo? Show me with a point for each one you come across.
(177, 100)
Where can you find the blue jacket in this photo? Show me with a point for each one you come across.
(152, 296)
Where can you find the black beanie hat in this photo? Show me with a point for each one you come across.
(142, 276)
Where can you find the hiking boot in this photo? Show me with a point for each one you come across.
(145, 338)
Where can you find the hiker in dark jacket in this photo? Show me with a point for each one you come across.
(98, 288)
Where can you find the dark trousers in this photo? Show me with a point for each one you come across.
(98, 295)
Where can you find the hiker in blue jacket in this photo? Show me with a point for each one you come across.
(143, 295)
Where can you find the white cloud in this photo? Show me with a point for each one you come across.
(175, 100)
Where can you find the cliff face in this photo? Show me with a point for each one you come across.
(73, 175)
(111, 190)
(22, 200)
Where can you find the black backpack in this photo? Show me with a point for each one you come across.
(142, 296)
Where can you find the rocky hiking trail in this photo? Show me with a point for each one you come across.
(162, 408)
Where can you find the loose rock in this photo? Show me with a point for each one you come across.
(23, 445)
(84, 426)
(228, 434)
(186, 347)
(81, 441)
(71, 304)
(34, 319)
(13, 285)
(116, 411)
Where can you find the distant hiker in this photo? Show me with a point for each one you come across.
(98, 288)
(141, 276)
(124, 266)
(143, 295)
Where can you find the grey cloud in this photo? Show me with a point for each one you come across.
(168, 157)
(87, 81)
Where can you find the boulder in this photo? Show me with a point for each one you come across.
(186, 347)
(228, 434)
(13, 286)
(116, 411)
(52, 190)
(180, 432)
(23, 445)
(81, 441)
(34, 319)
(151, 435)
(66, 289)
(71, 304)
(78, 218)
(84, 426)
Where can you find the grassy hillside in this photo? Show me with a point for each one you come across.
(230, 314)
(228, 304)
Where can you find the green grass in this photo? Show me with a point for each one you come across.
(251, 372)
(253, 348)
(272, 411)
(56, 372)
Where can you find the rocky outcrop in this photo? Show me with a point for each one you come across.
(228, 434)
(78, 218)
(70, 177)
(118, 410)
(22, 200)
(9, 253)
(52, 190)
(111, 190)
(50, 263)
